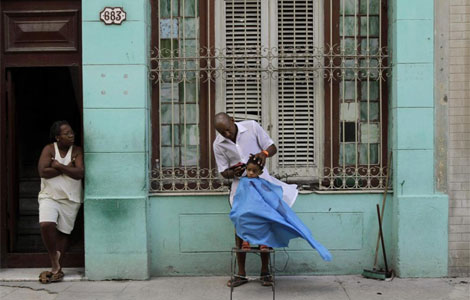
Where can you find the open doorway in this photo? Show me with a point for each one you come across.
(36, 97)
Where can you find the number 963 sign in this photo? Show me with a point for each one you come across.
(113, 15)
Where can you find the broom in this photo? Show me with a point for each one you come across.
(375, 273)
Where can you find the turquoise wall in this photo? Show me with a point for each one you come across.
(129, 235)
(197, 232)
(420, 214)
(116, 123)
(193, 235)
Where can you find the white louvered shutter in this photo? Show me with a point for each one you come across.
(243, 45)
(289, 93)
(296, 94)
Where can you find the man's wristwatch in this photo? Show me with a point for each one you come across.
(265, 153)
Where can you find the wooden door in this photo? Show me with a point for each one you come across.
(37, 37)
(35, 105)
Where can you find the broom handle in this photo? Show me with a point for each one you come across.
(383, 207)
(383, 242)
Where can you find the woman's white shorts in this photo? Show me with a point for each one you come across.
(62, 212)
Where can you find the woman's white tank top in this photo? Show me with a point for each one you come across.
(62, 186)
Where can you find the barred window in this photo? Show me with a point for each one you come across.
(271, 76)
(312, 73)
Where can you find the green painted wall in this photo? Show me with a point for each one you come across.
(193, 235)
(116, 124)
(131, 235)
(420, 214)
(197, 232)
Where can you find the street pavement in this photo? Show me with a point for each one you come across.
(348, 287)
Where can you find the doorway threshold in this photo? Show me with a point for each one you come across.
(32, 274)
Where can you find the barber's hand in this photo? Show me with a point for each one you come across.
(238, 171)
(261, 159)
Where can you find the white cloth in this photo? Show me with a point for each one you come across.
(61, 212)
(62, 187)
(251, 139)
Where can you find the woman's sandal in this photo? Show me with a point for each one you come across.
(57, 276)
(246, 246)
(266, 279)
(237, 281)
(48, 277)
(45, 277)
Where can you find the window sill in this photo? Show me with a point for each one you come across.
(301, 192)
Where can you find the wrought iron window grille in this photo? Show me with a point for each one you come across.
(353, 72)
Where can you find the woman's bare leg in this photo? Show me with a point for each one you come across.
(62, 244)
(49, 237)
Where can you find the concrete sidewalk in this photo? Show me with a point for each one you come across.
(213, 288)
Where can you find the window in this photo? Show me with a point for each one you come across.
(271, 76)
(356, 95)
(312, 73)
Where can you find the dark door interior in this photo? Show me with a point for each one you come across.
(37, 97)
(40, 82)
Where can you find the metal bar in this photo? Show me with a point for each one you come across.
(172, 127)
(273, 272)
(159, 62)
(198, 75)
(343, 73)
(185, 133)
(331, 50)
(368, 89)
(356, 92)
(269, 58)
(380, 92)
(209, 66)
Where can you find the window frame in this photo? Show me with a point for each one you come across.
(327, 124)
(331, 158)
(206, 41)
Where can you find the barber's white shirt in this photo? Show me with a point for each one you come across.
(251, 139)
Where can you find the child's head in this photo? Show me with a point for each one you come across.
(253, 169)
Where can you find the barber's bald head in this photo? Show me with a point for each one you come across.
(225, 125)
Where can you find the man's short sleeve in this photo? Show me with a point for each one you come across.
(264, 140)
(220, 159)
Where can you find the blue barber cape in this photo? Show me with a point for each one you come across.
(261, 217)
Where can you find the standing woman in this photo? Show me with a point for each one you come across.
(61, 170)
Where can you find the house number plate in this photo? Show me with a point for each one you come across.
(113, 15)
